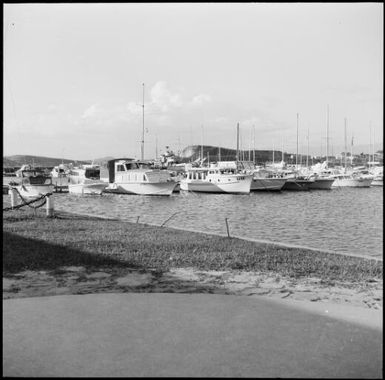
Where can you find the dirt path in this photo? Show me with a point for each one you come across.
(79, 280)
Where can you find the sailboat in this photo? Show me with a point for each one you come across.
(131, 176)
(322, 180)
(294, 181)
(350, 179)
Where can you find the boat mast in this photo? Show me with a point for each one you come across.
(307, 156)
(254, 145)
(296, 156)
(346, 145)
(202, 144)
(327, 136)
(370, 144)
(237, 154)
(142, 145)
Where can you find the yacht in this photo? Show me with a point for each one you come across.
(34, 183)
(266, 180)
(378, 176)
(343, 178)
(85, 179)
(59, 176)
(130, 176)
(216, 180)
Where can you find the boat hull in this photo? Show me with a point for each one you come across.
(267, 184)
(204, 186)
(322, 184)
(352, 182)
(293, 184)
(377, 182)
(159, 188)
(87, 188)
(34, 191)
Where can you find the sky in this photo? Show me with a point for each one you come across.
(76, 77)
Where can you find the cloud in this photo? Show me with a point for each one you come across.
(200, 99)
(163, 98)
(90, 112)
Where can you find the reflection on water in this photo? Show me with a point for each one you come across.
(347, 220)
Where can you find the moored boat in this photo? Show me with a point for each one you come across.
(348, 180)
(129, 176)
(34, 183)
(216, 180)
(60, 178)
(297, 184)
(85, 179)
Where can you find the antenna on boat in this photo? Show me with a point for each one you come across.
(142, 145)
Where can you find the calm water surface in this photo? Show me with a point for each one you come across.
(348, 220)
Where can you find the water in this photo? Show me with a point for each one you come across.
(348, 220)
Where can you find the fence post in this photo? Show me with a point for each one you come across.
(14, 198)
(50, 208)
(227, 227)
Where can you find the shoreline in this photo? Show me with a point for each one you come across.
(93, 275)
(278, 244)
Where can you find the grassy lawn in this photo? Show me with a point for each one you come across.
(35, 242)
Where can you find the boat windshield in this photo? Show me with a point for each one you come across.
(92, 173)
(131, 165)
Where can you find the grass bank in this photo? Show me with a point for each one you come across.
(34, 242)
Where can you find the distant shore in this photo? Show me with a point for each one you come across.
(77, 254)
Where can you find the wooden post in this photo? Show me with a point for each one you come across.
(50, 208)
(14, 199)
(227, 227)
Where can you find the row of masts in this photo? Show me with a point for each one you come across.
(296, 156)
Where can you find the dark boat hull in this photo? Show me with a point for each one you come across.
(293, 184)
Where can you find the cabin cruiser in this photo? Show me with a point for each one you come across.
(85, 179)
(262, 179)
(130, 176)
(59, 176)
(378, 175)
(34, 183)
(345, 178)
(216, 180)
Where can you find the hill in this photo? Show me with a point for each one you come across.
(214, 153)
(19, 160)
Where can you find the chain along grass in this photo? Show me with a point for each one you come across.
(31, 241)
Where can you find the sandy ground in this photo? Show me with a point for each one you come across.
(81, 280)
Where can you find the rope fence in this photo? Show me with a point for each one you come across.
(30, 203)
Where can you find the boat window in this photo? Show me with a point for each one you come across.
(144, 177)
(92, 173)
(120, 168)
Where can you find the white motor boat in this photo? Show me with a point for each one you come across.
(129, 176)
(348, 180)
(216, 180)
(378, 176)
(86, 180)
(59, 176)
(34, 183)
